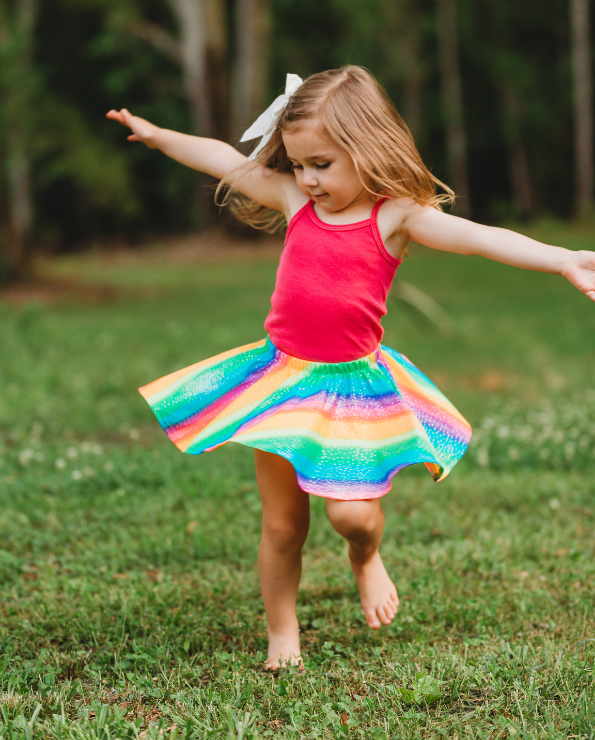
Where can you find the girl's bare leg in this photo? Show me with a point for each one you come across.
(285, 523)
(362, 523)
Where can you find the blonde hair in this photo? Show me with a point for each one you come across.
(356, 114)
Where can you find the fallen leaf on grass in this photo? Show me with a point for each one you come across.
(121, 576)
(344, 718)
(155, 576)
(191, 526)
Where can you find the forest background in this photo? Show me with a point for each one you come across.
(497, 94)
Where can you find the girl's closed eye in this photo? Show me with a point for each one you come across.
(323, 166)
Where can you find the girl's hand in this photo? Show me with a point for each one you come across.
(579, 268)
(141, 130)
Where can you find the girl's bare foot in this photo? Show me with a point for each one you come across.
(284, 650)
(378, 593)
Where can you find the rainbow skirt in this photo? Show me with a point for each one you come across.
(347, 427)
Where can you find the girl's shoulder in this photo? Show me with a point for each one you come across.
(393, 214)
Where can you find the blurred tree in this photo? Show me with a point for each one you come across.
(18, 85)
(512, 77)
(583, 105)
(414, 71)
(200, 33)
(43, 139)
(452, 103)
(198, 46)
(249, 86)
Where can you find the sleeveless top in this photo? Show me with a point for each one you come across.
(331, 289)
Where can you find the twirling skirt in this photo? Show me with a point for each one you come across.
(347, 427)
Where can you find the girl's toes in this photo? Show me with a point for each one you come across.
(372, 619)
(384, 615)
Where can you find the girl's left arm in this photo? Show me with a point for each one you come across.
(442, 231)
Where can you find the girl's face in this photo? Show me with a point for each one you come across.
(323, 171)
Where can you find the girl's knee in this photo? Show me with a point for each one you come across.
(355, 519)
(285, 533)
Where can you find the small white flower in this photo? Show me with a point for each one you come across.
(60, 463)
(86, 447)
(98, 449)
(77, 475)
(558, 436)
(513, 453)
(503, 432)
(72, 453)
(25, 456)
(554, 504)
(39, 456)
(89, 472)
(134, 434)
(109, 466)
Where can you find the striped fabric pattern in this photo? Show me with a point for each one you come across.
(346, 427)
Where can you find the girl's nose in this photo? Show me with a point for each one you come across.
(310, 179)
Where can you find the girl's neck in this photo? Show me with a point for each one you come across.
(355, 212)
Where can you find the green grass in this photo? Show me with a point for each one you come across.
(129, 597)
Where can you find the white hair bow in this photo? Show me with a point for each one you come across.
(266, 122)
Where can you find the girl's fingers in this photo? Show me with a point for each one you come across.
(122, 116)
(133, 137)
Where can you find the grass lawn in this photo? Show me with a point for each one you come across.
(129, 601)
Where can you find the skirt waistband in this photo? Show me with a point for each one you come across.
(351, 366)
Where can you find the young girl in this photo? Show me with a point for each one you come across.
(327, 408)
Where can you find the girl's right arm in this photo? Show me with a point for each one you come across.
(214, 157)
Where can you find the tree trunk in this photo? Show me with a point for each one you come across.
(518, 158)
(583, 105)
(217, 83)
(191, 17)
(413, 72)
(18, 36)
(20, 206)
(250, 70)
(452, 103)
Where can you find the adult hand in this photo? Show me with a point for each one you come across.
(141, 130)
(579, 268)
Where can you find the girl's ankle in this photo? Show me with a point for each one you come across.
(361, 555)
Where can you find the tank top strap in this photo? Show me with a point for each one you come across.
(374, 216)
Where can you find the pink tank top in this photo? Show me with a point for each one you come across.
(331, 289)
